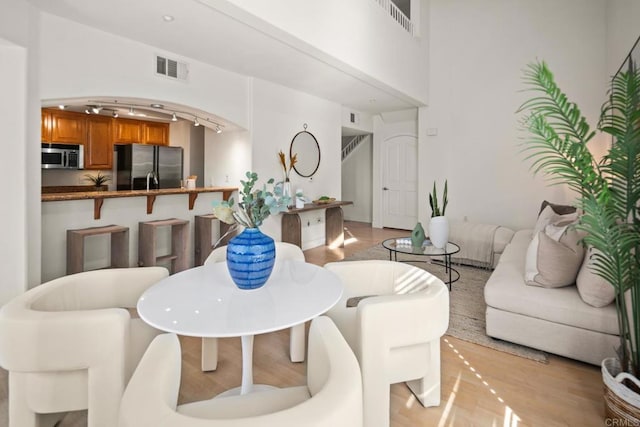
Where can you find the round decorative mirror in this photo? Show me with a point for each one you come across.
(307, 149)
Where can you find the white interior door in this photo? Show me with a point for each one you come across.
(400, 182)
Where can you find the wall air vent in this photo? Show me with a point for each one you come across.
(171, 68)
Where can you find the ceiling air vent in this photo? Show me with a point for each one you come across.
(171, 68)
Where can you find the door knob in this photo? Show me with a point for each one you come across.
(385, 188)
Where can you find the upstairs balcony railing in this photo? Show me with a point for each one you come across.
(397, 14)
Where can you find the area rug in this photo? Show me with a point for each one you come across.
(467, 307)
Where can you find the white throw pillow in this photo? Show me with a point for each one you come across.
(555, 254)
(593, 289)
(549, 216)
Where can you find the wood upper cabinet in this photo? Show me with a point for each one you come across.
(155, 133)
(98, 152)
(67, 127)
(127, 131)
(45, 131)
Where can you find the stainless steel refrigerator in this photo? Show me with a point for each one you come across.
(135, 165)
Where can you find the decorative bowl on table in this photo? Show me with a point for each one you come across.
(324, 201)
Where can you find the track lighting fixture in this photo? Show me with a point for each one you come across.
(62, 106)
(86, 110)
(106, 105)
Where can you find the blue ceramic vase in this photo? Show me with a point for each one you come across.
(250, 258)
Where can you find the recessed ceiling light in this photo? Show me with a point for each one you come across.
(167, 18)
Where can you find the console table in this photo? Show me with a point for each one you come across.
(334, 223)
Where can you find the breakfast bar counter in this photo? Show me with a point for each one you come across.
(99, 196)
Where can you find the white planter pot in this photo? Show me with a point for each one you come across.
(439, 231)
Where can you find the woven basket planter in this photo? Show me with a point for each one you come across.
(620, 402)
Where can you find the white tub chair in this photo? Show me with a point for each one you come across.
(71, 344)
(209, 356)
(395, 332)
(332, 396)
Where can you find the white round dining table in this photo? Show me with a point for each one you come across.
(204, 302)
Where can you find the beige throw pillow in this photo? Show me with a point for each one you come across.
(593, 289)
(554, 255)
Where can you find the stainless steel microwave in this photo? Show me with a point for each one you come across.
(62, 156)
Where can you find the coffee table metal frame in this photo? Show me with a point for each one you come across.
(426, 251)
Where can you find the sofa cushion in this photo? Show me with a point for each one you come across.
(593, 289)
(559, 209)
(506, 290)
(555, 253)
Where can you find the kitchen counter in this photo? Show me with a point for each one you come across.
(99, 196)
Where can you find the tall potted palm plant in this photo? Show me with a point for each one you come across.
(608, 194)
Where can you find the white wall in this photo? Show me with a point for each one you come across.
(227, 157)
(363, 123)
(622, 31)
(356, 182)
(478, 52)
(357, 32)
(19, 118)
(79, 61)
(278, 114)
(13, 208)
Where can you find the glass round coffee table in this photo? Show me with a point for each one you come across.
(402, 245)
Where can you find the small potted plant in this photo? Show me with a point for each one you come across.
(251, 254)
(438, 225)
(99, 180)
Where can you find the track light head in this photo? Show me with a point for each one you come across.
(174, 118)
(115, 114)
(96, 109)
(218, 130)
(196, 122)
(131, 111)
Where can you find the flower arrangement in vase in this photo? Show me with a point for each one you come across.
(251, 254)
(286, 187)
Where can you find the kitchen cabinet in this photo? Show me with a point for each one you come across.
(45, 131)
(155, 133)
(67, 127)
(98, 151)
(127, 131)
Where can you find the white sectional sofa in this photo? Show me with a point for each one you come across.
(555, 320)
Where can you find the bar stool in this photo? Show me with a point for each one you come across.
(148, 239)
(203, 240)
(119, 246)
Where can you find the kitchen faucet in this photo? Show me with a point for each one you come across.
(155, 178)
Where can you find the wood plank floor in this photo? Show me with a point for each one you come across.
(480, 386)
